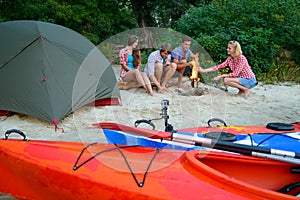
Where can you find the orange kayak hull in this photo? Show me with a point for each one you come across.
(45, 170)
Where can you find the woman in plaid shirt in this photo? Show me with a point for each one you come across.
(241, 75)
(130, 60)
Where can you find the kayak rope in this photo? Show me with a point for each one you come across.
(92, 157)
(268, 138)
(140, 184)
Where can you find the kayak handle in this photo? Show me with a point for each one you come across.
(286, 189)
(8, 132)
(216, 120)
(137, 122)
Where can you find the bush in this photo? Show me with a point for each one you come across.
(263, 28)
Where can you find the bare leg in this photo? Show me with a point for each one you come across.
(147, 83)
(240, 92)
(234, 82)
(135, 76)
(180, 68)
(247, 92)
(158, 75)
(170, 70)
(180, 76)
(158, 71)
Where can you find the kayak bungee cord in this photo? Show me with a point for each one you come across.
(268, 138)
(140, 184)
(92, 157)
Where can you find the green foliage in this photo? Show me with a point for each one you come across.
(263, 28)
(281, 71)
(96, 20)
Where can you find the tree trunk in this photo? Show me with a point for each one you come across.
(144, 18)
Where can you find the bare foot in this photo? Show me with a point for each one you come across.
(166, 89)
(179, 85)
(247, 92)
(160, 90)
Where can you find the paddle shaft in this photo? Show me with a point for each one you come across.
(228, 146)
(275, 157)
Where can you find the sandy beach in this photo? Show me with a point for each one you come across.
(266, 103)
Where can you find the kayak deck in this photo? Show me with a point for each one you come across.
(239, 129)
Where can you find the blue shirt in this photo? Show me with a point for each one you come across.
(179, 54)
(130, 62)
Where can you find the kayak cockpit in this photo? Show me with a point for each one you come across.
(245, 174)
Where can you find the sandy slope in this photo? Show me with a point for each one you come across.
(266, 103)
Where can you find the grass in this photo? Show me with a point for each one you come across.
(287, 72)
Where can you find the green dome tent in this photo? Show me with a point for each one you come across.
(48, 71)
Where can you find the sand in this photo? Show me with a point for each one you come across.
(266, 103)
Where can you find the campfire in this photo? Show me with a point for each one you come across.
(194, 77)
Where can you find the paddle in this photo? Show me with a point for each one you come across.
(233, 147)
(206, 142)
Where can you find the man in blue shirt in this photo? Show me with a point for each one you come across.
(180, 56)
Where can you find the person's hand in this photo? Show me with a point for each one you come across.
(183, 61)
(217, 78)
(200, 69)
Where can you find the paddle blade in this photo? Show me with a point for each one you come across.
(154, 134)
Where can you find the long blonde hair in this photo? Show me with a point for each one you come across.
(236, 45)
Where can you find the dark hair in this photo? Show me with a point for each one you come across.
(136, 54)
(132, 39)
(165, 47)
(186, 39)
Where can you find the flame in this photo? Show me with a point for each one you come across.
(195, 64)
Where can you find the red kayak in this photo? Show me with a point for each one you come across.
(272, 127)
(75, 170)
(239, 129)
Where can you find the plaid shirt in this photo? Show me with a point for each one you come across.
(179, 54)
(240, 67)
(124, 60)
(153, 58)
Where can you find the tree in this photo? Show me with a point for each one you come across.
(264, 29)
(97, 20)
(158, 13)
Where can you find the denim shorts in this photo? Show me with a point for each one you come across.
(248, 82)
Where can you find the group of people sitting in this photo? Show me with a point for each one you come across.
(164, 62)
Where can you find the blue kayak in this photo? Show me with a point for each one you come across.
(287, 141)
